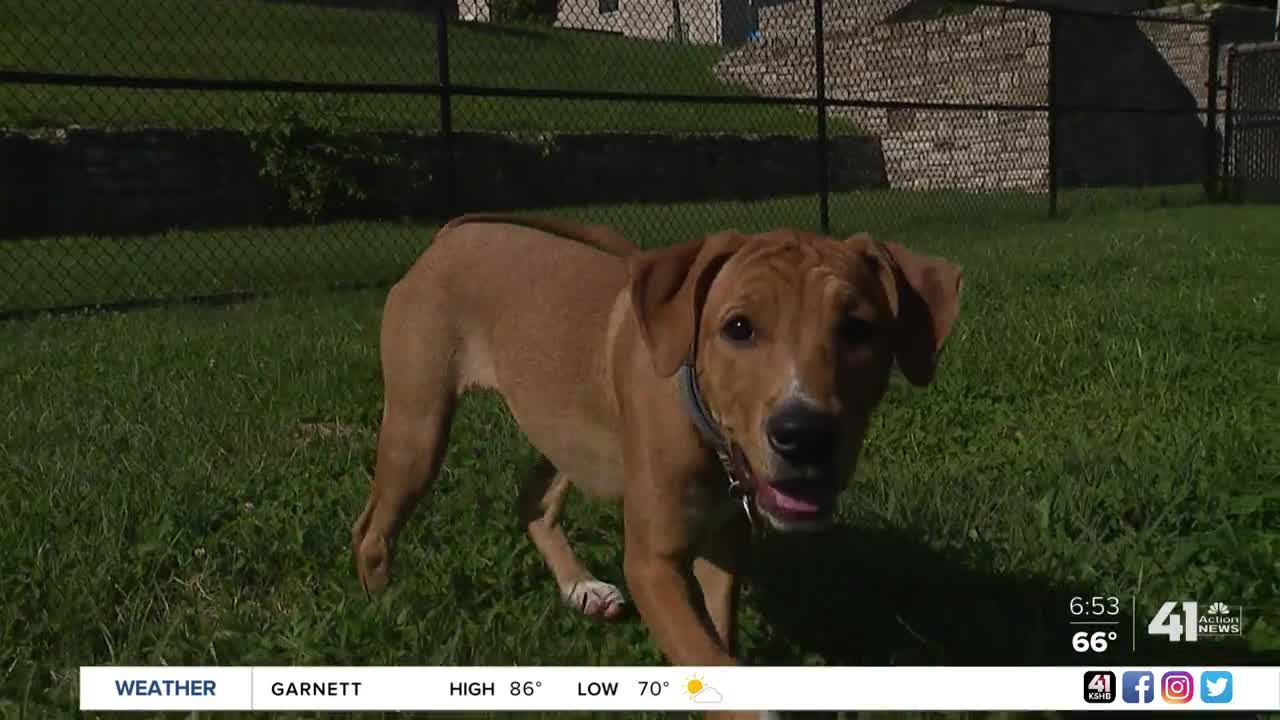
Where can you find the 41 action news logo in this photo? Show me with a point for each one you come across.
(1219, 621)
(1099, 686)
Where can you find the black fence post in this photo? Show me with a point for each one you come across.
(1053, 113)
(447, 172)
(1211, 183)
(820, 77)
(1228, 127)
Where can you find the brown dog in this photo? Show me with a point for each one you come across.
(706, 384)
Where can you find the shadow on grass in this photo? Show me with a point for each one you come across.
(880, 597)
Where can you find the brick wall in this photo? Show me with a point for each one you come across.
(102, 181)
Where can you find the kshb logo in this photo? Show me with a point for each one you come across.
(1220, 620)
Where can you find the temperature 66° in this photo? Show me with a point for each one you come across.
(1083, 641)
(524, 688)
(652, 687)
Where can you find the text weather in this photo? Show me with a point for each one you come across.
(167, 688)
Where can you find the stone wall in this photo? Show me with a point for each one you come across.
(98, 181)
(1000, 56)
(993, 56)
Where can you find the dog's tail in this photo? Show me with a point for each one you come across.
(601, 237)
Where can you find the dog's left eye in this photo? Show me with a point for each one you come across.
(739, 329)
(854, 330)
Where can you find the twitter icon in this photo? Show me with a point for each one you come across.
(1215, 686)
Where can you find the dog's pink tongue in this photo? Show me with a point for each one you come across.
(792, 504)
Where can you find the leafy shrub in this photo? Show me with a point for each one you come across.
(530, 12)
(306, 154)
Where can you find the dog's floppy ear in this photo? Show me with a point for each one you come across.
(927, 290)
(668, 287)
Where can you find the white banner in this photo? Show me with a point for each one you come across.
(679, 688)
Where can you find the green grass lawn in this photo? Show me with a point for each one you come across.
(180, 483)
(246, 40)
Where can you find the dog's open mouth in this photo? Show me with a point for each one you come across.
(797, 500)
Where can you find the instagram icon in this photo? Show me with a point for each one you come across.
(1176, 687)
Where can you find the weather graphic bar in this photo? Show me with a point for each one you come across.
(680, 688)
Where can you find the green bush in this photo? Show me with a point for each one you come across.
(308, 154)
(533, 12)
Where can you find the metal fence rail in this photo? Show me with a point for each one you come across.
(189, 149)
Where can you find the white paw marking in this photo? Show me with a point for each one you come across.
(594, 598)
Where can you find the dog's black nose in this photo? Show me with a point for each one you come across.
(802, 435)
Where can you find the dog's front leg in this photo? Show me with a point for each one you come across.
(718, 568)
(658, 555)
(659, 584)
(661, 565)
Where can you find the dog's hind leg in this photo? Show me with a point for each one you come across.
(410, 450)
(541, 499)
(420, 397)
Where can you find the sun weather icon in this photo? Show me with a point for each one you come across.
(700, 692)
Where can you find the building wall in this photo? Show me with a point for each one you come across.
(703, 20)
(1000, 56)
(652, 19)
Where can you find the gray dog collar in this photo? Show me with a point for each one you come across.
(711, 434)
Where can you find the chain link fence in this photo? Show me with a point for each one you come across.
(1251, 156)
(196, 148)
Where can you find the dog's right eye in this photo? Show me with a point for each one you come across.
(739, 329)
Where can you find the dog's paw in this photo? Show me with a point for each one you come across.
(596, 599)
(372, 565)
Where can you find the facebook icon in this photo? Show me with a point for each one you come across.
(1138, 687)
